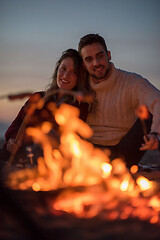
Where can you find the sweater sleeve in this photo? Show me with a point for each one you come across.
(149, 95)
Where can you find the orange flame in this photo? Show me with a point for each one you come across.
(144, 183)
(107, 186)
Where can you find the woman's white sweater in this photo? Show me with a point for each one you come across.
(118, 96)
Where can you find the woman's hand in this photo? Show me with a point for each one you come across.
(11, 144)
(150, 144)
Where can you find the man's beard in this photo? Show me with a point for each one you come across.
(102, 76)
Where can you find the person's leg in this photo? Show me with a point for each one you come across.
(114, 153)
(132, 141)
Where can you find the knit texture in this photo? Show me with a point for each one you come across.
(118, 96)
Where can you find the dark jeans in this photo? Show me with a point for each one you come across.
(128, 147)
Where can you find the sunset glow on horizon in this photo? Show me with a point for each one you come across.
(35, 33)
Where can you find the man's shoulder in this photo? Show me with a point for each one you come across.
(128, 73)
(130, 79)
(130, 76)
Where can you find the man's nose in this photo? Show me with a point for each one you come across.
(95, 62)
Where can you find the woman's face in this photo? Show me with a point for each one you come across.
(66, 76)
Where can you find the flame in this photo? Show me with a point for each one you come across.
(124, 185)
(107, 188)
(134, 169)
(76, 150)
(106, 168)
(60, 119)
(155, 202)
(36, 187)
(144, 183)
(46, 127)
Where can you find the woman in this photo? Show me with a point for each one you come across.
(69, 74)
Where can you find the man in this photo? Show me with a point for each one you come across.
(119, 94)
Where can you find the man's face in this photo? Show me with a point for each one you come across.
(96, 61)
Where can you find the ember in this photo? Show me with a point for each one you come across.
(89, 183)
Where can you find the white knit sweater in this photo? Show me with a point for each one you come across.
(118, 96)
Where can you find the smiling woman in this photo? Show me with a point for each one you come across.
(69, 74)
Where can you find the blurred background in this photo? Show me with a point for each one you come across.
(34, 33)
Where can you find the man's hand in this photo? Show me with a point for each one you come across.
(150, 144)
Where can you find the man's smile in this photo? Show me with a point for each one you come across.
(98, 68)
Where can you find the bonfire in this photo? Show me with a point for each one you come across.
(88, 183)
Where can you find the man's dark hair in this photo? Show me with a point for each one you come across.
(89, 39)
